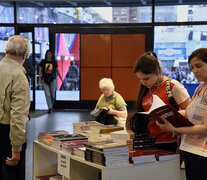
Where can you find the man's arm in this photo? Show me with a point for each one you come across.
(20, 103)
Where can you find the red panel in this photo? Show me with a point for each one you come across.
(126, 83)
(90, 78)
(126, 48)
(95, 50)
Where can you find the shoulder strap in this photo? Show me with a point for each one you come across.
(170, 95)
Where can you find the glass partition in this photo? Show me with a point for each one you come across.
(6, 12)
(42, 12)
(5, 34)
(41, 46)
(173, 52)
(180, 13)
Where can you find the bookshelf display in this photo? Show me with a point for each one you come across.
(45, 162)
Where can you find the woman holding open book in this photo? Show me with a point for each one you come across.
(112, 101)
(194, 138)
(148, 70)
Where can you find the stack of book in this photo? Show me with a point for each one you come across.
(163, 155)
(84, 127)
(49, 177)
(102, 132)
(107, 153)
(46, 137)
(80, 152)
(143, 140)
(137, 156)
(123, 137)
(58, 139)
(138, 124)
(69, 146)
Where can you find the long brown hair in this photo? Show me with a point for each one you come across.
(147, 64)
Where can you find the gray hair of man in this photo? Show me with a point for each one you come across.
(106, 82)
(18, 46)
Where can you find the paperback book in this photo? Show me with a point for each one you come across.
(56, 143)
(105, 129)
(48, 135)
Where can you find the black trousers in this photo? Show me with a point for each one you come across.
(10, 172)
(195, 166)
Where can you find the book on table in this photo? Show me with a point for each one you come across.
(150, 155)
(69, 146)
(106, 146)
(82, 127)
(48, 134)
(159, 110)
(105, 129)
(122, 134)
(56, 143)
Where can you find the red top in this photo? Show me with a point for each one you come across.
(181, 96)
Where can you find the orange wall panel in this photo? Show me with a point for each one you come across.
(126, 48)
(90, 78)
(95, 50)
(126, 83)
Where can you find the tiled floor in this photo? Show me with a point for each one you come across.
(41, 121)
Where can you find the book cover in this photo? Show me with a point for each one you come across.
(159, 109)
(105, 129)
(106, 146)
(81, 127)
(48, 134)
(73, 144)
(52, 133)
(123, 141)
(58, 139)
(123, 134)
(99, 112)
(69, 137)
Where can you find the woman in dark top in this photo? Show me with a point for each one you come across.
(47, 70)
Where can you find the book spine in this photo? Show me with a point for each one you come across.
(143, 146)
(144, 140)
(142, 134)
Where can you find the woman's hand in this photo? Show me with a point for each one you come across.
(167, 126)
(110, 111)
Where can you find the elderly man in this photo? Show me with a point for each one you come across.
(14, 109)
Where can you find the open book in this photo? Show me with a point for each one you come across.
(159, 109)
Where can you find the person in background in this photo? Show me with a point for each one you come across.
(29, 69)
(112, 101)
(72, 77)
(195, 153)
(14, 109)
(148, 71)
(47, 69)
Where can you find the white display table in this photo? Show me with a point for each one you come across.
(45, 162)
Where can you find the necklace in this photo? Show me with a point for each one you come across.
(154, 91)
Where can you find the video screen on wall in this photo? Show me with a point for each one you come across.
(67, 53)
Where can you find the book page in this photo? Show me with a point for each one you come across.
(157, 102)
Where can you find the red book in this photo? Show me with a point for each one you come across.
(159, 109)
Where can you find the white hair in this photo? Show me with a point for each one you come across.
(106, 82)
(17, 45)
